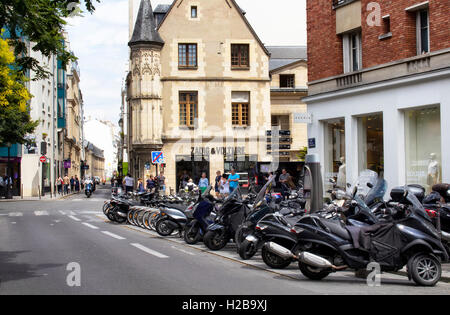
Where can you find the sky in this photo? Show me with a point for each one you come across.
(100, 40)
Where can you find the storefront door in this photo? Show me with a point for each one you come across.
(371, 144)
(194, 169)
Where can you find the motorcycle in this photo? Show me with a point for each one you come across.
(201, 216)
(232, 214)
(88, 190)
(326, 246)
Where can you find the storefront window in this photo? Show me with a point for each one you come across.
(371, 144)
(423, 146)
(335, 152)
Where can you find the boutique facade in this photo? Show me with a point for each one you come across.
(378, 84)
(397, 127)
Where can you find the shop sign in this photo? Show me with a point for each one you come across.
(302, 118)
(67, 164)
(206, 151)
(312, 143)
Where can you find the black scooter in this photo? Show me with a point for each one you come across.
(232, 214)
(326, 246)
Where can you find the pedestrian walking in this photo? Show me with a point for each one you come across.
(129, 183)
(2, 187)
(72, 184)
(162, 182)
(217, 183)
(233, 179)
(203, 183)
(59, 185)
(66, 184)
(150, 183)
(224, 187)
(77, 184)
(284, 180)
(140, 186)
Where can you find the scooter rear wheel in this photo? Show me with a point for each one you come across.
(313, 273)
(274, 261)
(162, 228)
(192, 233)
(425, 270)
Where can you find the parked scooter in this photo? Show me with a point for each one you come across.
(202, 215)
(172, 217)
(232, 214)
(326, 246)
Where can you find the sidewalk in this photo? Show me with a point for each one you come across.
(47, 197)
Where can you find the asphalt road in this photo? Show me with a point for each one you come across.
(40, 242)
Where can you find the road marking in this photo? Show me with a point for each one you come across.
(90, 225)
(113, 235)
(62, 212)
(149, 251)
(39, 213)
(91, 212)
(183, 251)
(74, 218)
(13, 222)
(16, 214)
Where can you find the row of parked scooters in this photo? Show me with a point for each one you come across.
(356, 228)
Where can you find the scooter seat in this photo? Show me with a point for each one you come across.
(336, 228)
(176, 206)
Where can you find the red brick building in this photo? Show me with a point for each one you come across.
(379, 88)
(398, 22)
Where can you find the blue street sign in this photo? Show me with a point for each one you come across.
(157, 157)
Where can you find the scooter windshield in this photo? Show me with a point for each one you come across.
(377, 192)
(418, 208)
(262, 192)
(361, 185)
(207, 192)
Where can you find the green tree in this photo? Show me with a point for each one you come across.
(15, 119)
(41, 22)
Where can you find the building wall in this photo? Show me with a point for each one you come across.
(392, 101)
(325, 55)
(290, 102)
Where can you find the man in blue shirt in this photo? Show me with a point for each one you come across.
(233, 179)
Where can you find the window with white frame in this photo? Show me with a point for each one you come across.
(352, 51)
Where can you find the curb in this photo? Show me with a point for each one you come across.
(444, 278)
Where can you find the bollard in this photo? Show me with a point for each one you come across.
(316, 184)
(39, 192)
(21, 192)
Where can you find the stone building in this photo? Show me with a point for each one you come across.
(95, 161)
(198, 90)
(289, 74)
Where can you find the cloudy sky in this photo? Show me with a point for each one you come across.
(100, 43)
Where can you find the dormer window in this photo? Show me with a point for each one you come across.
(194, 12)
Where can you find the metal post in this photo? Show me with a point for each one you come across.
(9, 177)
(316, 184)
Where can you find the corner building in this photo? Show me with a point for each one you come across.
(198, 90)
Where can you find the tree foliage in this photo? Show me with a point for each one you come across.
(41, 22)
(15, 119)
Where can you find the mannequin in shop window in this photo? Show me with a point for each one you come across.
(433, 171)
(342, 174)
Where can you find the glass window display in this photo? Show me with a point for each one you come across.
(371, 144)
(335, 151)
(423, 146)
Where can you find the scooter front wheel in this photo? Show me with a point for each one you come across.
(163, 228)
(247, 250)
(192, 233)
(425, 270)
(215, 241)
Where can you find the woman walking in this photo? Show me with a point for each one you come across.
(203, 183)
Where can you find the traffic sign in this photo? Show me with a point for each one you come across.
(157, 157)
(43, 159)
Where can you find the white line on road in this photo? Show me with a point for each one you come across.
(113, 235)
(74, 218)
(62, 212)
(39, 213)
(183, 251)
(90, 225)
(149, 251)
(16, 214)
